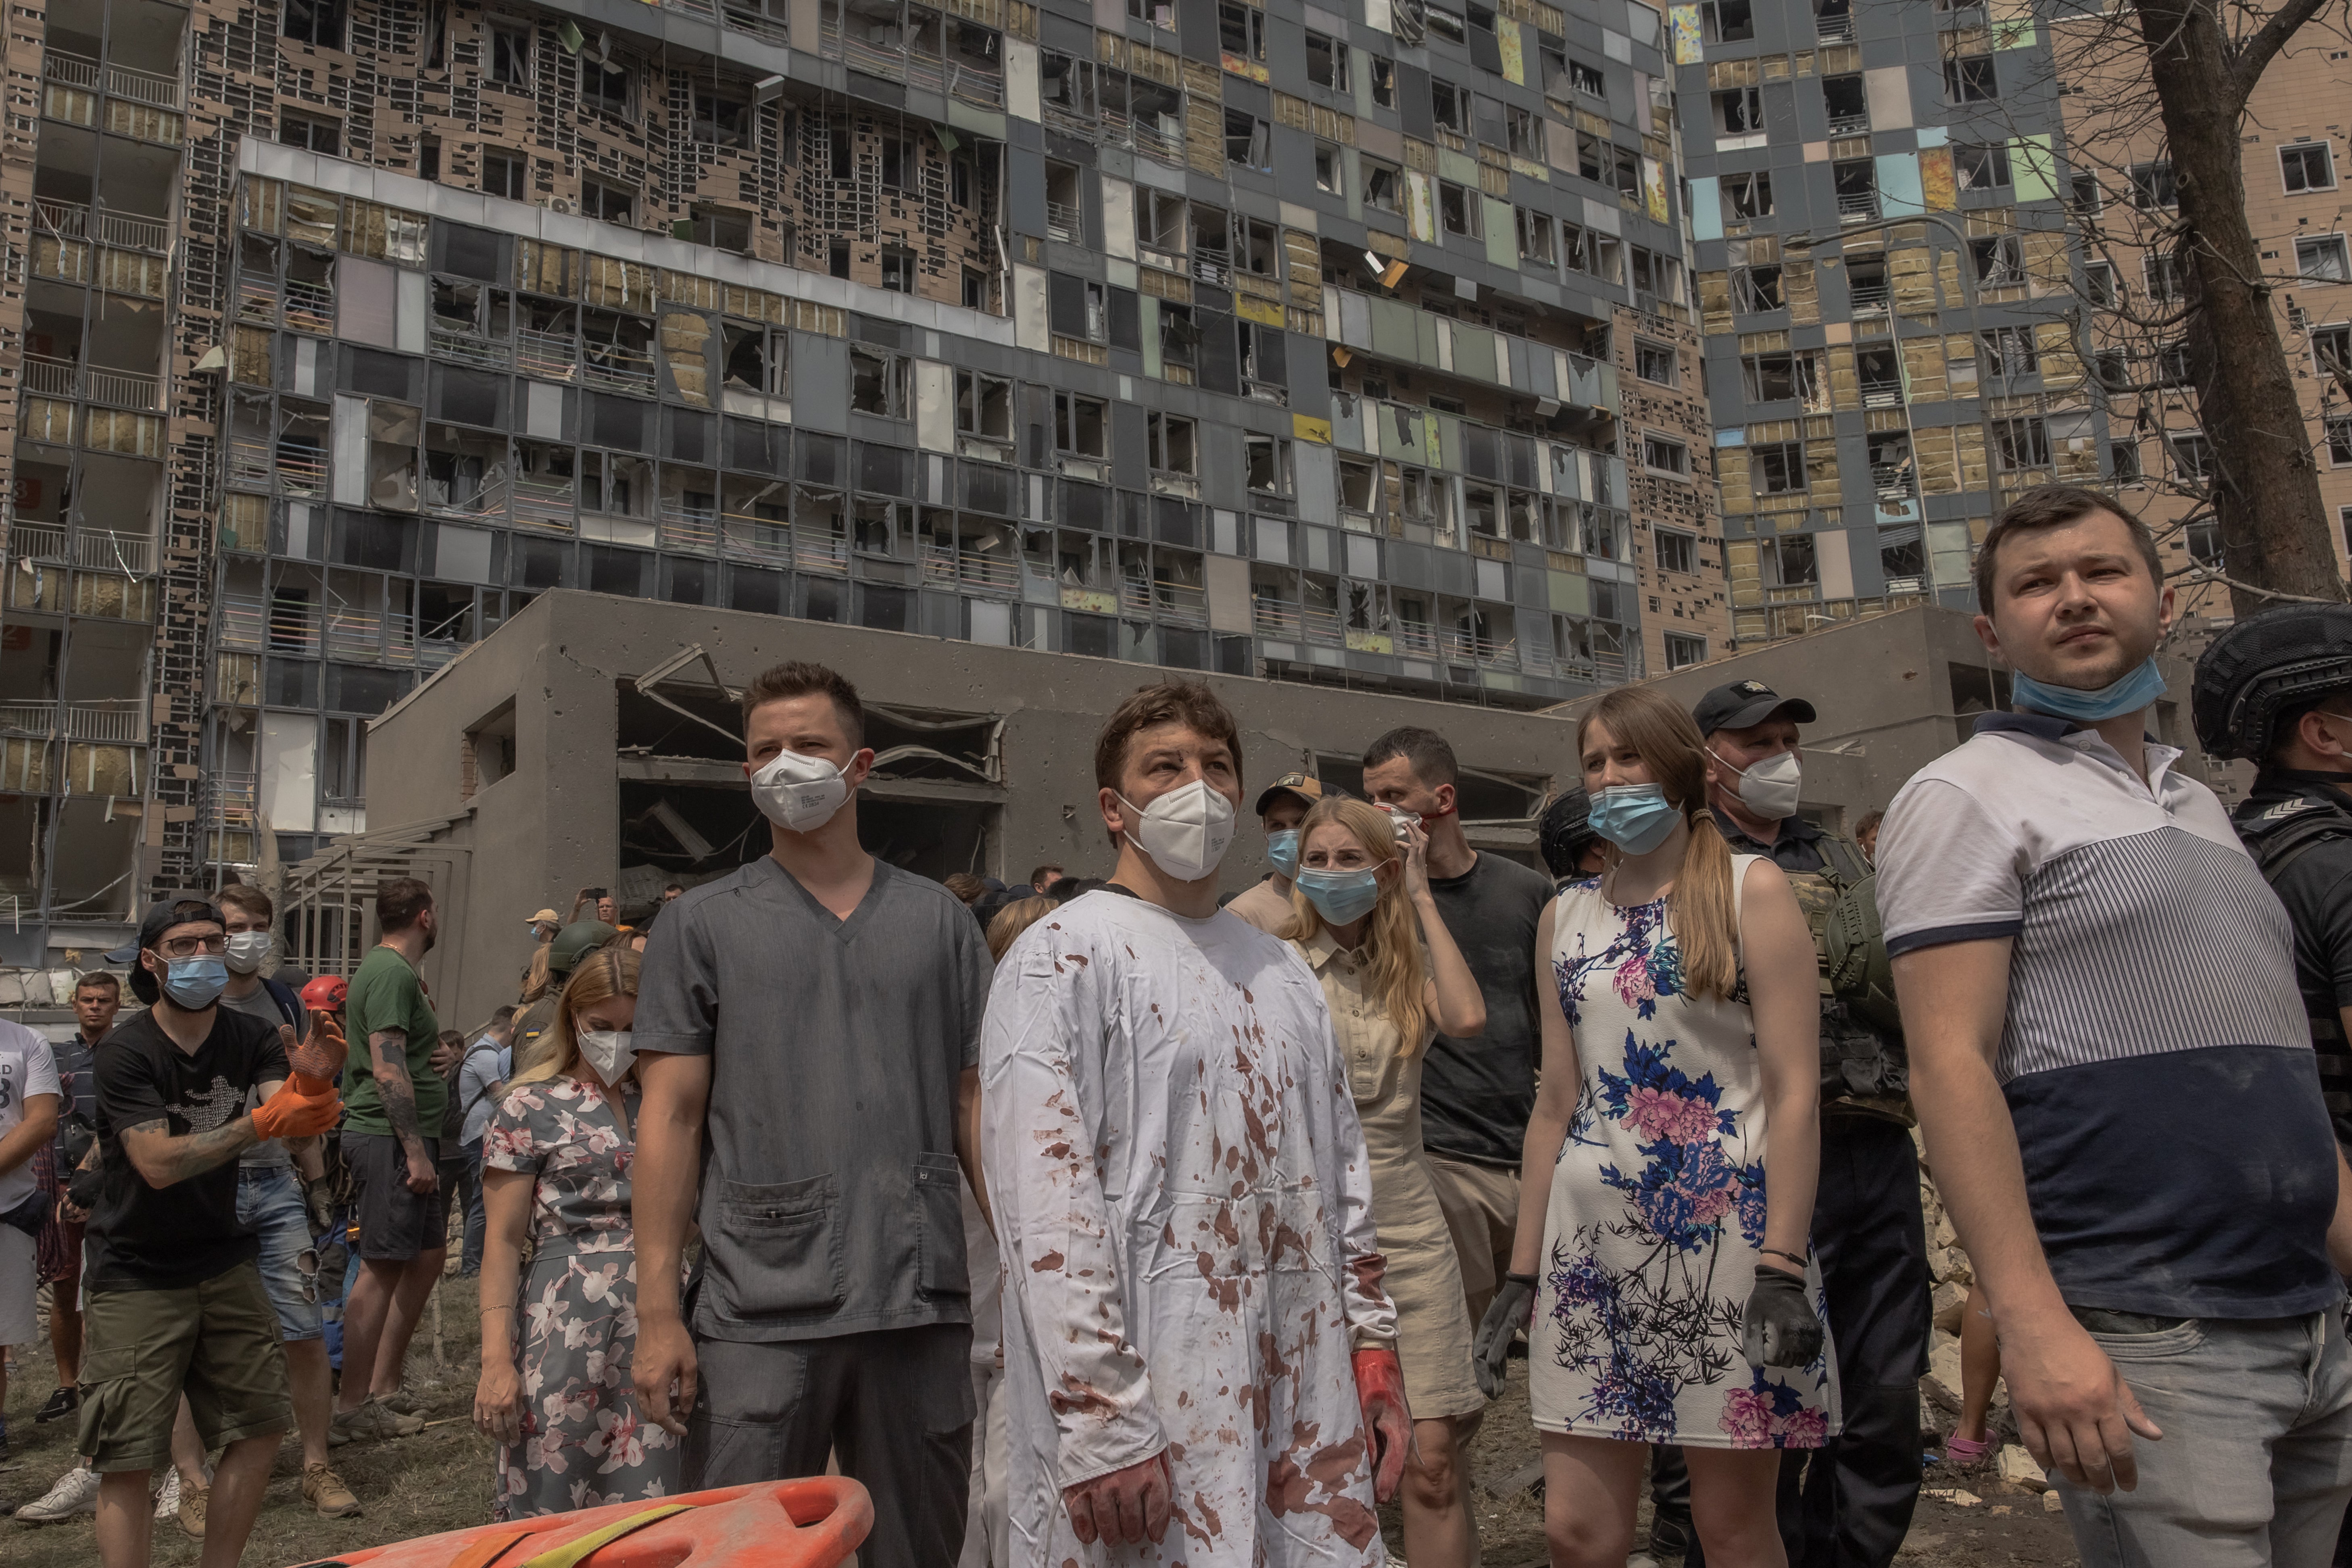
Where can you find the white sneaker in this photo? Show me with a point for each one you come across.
(167, 1500)
(76, 1492)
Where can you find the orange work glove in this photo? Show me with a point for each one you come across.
(318, 1061)
(1388, 1425)
(290, 1113)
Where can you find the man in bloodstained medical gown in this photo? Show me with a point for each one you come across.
(1200, 1359)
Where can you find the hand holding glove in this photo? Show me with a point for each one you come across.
(1779, 1327)
(1388, 1424)
(319, 1201)
(1513, 1308)
(290, 1113)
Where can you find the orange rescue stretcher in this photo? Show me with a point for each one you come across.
(812, 1524)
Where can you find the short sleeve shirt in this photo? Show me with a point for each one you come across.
(387, 995)
(27, 1069)
(836, 1048)
(2178, 1160)
(1476, 1095)
(144, 1237)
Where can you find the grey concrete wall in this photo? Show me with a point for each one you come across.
(1883, 689)
(553, 825)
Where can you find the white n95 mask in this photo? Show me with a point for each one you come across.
(247, 949)
(1769, 787)
(609, 1051)
(1186, 831)
(799, 792)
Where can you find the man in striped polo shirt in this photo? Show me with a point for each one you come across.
(2116, 1079)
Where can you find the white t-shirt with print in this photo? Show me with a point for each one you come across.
(27, 1069)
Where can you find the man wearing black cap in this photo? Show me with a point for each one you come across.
(173, 1300)
(1282, 805)
(1853, 1504)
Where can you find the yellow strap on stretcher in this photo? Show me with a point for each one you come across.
(572, 1553)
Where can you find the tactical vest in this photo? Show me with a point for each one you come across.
(1863, 1067)
(2277, 835)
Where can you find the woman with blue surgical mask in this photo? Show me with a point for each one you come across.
(1362, 917)
(1667, 1290)
(557, 1338)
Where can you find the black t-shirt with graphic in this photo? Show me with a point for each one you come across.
(150, 1239)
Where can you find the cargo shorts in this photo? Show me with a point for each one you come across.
(216, 1342)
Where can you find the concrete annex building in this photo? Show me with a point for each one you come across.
(1298, 341)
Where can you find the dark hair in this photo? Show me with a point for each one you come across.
(673, 887)
(505, 1014)
(1870, 819)
(246, 897)
(2049, 506)
(452, 1037)
(1425, 751)
(800, 678)
(965, 885)
(1037, 872)
(400, 903)
(1186, 703)
(104, 980)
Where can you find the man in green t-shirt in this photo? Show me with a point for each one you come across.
(394, 1101)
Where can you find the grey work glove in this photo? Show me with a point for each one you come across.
(1779, 1327)
(1513, 1308)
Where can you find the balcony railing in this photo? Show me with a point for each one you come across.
(942, 565)
(760, 541)
(615, 368)
(310, 305)
(1064, 222)
(120, 81)
(1850, 124)
(1416, 640)
(1882, 395)
(469, 347)
(549, 357)
(542, 503)
(301, 470)
(52, 377)
(1870, 296)
(123, 389)
(1860, 207)
(73, 70)
(1322, 625)
(690, 528)
(819, 547)
(1834, 29)
(105, 723)
(1276, 618)
(1464, 648)
(42, 541)
(238, 620)
(1894, 481)
(980, 89)
(257, 299)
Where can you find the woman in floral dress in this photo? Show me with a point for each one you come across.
(555, 1388)
(1674, 1297)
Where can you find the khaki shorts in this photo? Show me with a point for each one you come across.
(216, 1343)
(1482, 1213)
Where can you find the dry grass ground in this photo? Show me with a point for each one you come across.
(441, 1480)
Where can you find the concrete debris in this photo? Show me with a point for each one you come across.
(2017, 1466)
(1959, 1497)
(2051, 1503)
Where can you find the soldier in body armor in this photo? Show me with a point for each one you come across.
(2277, 690)
(1848, 1504)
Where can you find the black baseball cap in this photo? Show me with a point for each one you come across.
(160, 917)
(1745, 702)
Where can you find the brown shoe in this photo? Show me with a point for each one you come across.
(324, 1490)
(192, 1508)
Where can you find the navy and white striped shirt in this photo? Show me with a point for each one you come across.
(2178, 1160)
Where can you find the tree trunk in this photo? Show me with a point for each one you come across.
(2265, 484)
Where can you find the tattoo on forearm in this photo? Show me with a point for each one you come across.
(177, 1159)
(390, 1049)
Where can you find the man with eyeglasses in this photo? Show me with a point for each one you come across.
(174, 1301)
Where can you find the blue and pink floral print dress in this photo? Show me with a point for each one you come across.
(585, 1443)
(1656, 1214)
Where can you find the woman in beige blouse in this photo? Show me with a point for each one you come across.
(1362, 916)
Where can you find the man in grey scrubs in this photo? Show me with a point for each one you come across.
(816, 1016)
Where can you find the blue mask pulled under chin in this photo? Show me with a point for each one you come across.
(2134, 691)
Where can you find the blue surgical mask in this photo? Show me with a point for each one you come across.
(2135, 691)
(1636, 818)
(196, 983)
(1282, 850)
(1341, 897)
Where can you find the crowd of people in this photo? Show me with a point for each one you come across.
(1068, 1216)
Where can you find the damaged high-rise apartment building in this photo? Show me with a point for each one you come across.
(1348, 345)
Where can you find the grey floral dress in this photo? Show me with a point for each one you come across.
(583, 1441)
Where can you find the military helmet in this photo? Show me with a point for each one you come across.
(1564, 832)
(2264, 665)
